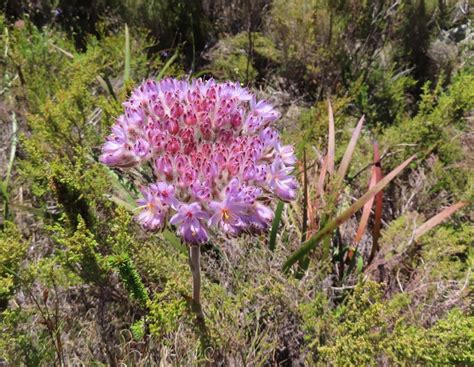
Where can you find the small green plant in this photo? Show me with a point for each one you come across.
(366, 328)
(130, 277)
(12, 252)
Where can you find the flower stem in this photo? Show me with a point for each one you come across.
(194, 262)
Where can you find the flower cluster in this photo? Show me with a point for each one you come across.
(215, 157)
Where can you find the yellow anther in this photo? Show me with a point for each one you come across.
(225, 214)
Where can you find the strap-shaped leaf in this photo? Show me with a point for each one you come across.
(275, 225)
(167, 65)
(344, 216)
(378, 205)
(438, 218)
(365, 212)
(126, 71)
(346, 159)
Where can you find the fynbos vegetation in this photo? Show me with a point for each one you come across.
(239, 183)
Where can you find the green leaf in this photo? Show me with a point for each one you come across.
(169, 236)
(326, 248)
(167, 65)
(105, 83)
(360, 264)
(304, 220)
(364, 219)
(120, 188)
(200, 73)
(174, 241)
(129, 203)
(121, 202)
(3, 191)
(275, 225)
(126, 72)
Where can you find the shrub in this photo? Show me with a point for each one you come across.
(232, 59)
(12, 253)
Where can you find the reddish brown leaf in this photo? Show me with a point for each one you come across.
(364, 220)
(311, 213)
(378, 205)
(438, 218)
(319, 193)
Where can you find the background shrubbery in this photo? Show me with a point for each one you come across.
(81, 283)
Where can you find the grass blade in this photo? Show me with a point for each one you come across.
(378, 205)
(344, 216)
(167, 65)
(106, 85)
(201, 73)
(120, 202)
(126, 72)
(331, 140)
(174, 241)
(438, 218)
(275, 225)
(341, 172)
(120, 187)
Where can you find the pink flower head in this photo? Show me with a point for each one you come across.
(218, 162)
